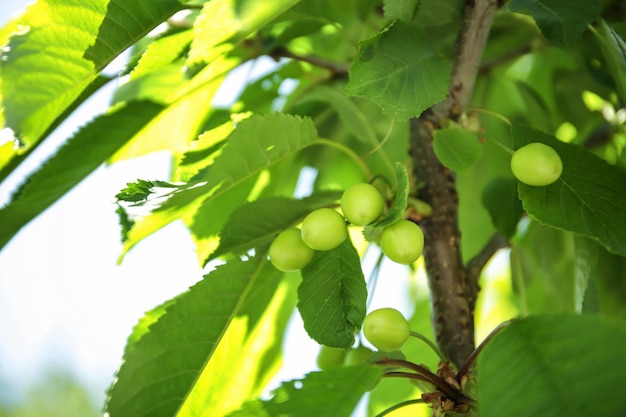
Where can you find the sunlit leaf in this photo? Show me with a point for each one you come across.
(458, 149)
(331, 298)
(400, 71)
(561, 22)
(588, 199)
(169, 359)
(542, 366)
(244, 360)
(400, 9)
(61, 49)
(257, 143)
(82, 154)
(332, 393)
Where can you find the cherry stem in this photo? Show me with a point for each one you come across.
(472, 358)
(430, 344)
(434, 379)
(399, 405)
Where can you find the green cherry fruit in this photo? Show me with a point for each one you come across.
(330, 357)
(402, 242)
(362, 204)
(288, 252)
(324, 229)
(536, 164)
(357, 356)
(386, 329)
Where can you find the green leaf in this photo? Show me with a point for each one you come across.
(400, 9)
(588, 199)
(350, 114)
(614, 50)
(397, 209)
(544, 271)
(64, 45)
(82, 154)
(247, 356)
(224, 23)
(500, 199)
(169, 359)
(561, 22)
(399, 70)
(257, 144)
(258, 222)
(332, 393)
(162, 52)
(542, 366)
(458, 149)
(331, 298)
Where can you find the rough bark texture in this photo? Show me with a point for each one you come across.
(452, 294)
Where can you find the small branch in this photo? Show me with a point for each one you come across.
(425, 374)
(339, 69)
(472, 358)
(400, 405)
(488, 65)
(476, 265)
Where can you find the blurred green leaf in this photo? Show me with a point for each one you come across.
(542, 366)
(399, 70)
(588, 199)
(561, 22)
(614, 50)
(331, 298)
(400, 9)
(458, 149)
(332, 393)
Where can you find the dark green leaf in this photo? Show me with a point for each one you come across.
(543, 270)
(332, 393)
(500, 199)
(588, 199)
(458, 149)
(399, 70)
(544, 366)
(66, 44)
(614, 50)
(167, 360)
(259, 221)
(332, 296)
(87, 150)
(561, 21)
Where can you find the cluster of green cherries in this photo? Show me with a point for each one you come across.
(325, 229)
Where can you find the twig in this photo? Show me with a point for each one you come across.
(339, 69)
(400, 405)
(475, 265)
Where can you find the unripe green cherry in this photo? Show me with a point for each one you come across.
(324, 229)
(536, 164)
(402, 242)
(386, 328)
(358, 356)
(330, 357)
(288, 252)
(361, 204)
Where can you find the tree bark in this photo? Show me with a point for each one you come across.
(452, 294)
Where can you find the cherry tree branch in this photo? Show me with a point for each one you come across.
(338, 69)
(475, 265)
(451, 294)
